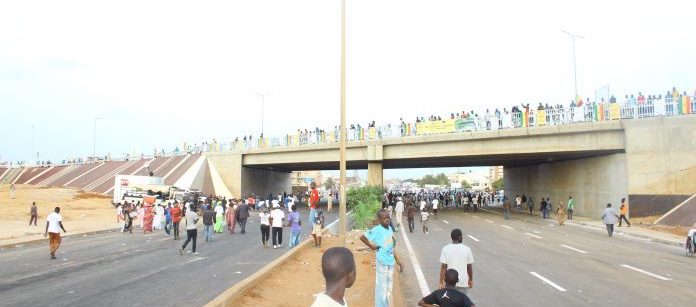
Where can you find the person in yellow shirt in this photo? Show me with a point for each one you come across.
(623, 210)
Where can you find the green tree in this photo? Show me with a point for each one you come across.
(465, 184)
(440, 179)
(365, 202)
(497, 185)
(329, 184)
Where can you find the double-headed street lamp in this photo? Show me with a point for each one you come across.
(94, 141)
(573, 37)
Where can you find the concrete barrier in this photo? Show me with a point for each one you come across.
(234, 294)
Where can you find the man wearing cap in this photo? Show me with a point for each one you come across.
(277, 217)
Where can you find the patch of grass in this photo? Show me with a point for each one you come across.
(365, 202)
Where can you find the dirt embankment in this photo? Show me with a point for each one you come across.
(296, 283)
(81, 211)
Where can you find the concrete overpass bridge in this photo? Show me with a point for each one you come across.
(596, 163)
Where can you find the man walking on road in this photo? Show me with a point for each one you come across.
(624, 212)
(457, 256)
(176, 219)
(54, 223)
(208, 221)
(277, 217)
(609, 217)
(381, 239)
(295, 226)
(399, 212)
(506, 207)
(34, 213)
(243, 215)
(411, 216)
(191, 231)
(571, 207)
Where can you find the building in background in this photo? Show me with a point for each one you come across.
(477, 180)
(495, 172)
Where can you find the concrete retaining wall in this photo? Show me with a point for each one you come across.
(593, 182)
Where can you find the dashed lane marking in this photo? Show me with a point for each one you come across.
(193, 260)
(575, 249)
(476, 216)
(508, 227)
(416, 266)
(446, 222)
(645, 272)
(472, 237)
(548, 282)
(532, 235)
(489, 221)
(491, 211)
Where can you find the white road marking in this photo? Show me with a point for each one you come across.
(491, 211)
(533, 235)
(446, 222)
(489, 221)
(416, 266)
(193, 260)
(575, 249)
(506, 226)
(472, 237)
(475, 217)
(548, 282)
(645, 272)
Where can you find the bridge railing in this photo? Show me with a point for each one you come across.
(525, 118)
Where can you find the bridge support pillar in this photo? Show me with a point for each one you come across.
(227, 176)
(375, 174)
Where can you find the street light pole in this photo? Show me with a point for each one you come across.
(342, 223)
(573, 37)
(263, 106)
(94, 140)
(33, 143)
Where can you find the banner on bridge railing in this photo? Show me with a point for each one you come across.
(446, 126)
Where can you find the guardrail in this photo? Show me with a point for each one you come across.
(528, 118)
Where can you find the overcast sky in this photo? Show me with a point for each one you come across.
(162, 73)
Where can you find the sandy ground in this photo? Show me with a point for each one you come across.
(82, 212)
(647, 222)
(296, 283)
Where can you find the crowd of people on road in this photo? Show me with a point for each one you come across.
(220, 214)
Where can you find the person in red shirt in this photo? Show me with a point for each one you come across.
(313, 202)
(176, 218)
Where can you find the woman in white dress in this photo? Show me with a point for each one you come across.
(159, 214)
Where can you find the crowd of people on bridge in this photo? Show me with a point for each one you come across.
(638, 105)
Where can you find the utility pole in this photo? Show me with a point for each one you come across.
(342, 223)
(94, 140)
(573, 37)
(263, 107)
(33, 144)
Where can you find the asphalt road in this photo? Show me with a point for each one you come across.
(590, 267)
(117, 269)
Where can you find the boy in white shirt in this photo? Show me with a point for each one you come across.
(338, 268)
(424, 220)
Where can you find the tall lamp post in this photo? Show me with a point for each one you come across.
(573, 37)
(94, 140)
(342, 223)
(263, 106)
(33, 144)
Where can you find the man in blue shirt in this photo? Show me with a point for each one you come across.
(380, 239)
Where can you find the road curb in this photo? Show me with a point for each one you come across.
(635, 235)
(34, 241)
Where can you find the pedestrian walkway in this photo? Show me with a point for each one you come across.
(635, 231)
